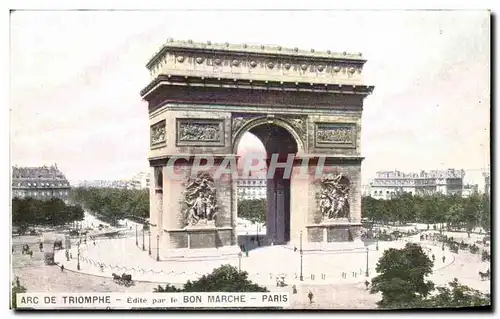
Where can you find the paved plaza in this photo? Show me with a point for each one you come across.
(336, 267)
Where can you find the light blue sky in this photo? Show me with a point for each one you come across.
(76, 77)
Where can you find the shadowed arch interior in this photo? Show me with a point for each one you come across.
(277, 140)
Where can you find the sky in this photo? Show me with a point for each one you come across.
(76, 78)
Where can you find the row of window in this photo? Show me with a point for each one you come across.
(380, 193)
(42, 193)
(251, 191)
(262, 182)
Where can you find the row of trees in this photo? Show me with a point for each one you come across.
(455, 211)
(402, 282)
(112, 204)
(28, 212)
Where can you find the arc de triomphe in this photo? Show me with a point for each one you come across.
(203, 97)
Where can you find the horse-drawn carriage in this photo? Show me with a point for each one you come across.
(124, 279)
(485, 275)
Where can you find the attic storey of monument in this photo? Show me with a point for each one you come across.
(203, 97)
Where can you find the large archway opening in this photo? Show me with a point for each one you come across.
(259, 149)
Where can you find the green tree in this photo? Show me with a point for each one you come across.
(254, 210)
(458, 296)
(402, 276)
(226, 278)
(110, 204)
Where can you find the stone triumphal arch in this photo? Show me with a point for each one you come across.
(203, 97)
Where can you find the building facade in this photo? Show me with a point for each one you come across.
(41, 183)
(469, 190)
(252, 188)
(140, 181)
(388, 184)
(104, 184)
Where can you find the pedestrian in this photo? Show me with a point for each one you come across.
(62, 268)
(444, 258)
(433, 257)
(367, 284)
(310, 296)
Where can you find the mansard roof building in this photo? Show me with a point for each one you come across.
(42, 183)
(388, 184)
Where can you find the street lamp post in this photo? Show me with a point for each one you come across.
(136, 238)
(301, 257)
(143, 244)
(158, 247)
(367, 273)
(78, 256)
(149, 233)
(239, 260)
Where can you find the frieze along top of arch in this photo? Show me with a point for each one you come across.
(256, 62)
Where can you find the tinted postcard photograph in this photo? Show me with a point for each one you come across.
(251, 160)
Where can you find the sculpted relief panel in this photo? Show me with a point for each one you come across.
(200, 201)
(238, 121)
(334, 202)
(158, 134)
(200, 132)
(299, 123)
(335, 135)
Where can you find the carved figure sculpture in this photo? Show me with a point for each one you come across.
(201, 200)
(158, 133)
(334, 201)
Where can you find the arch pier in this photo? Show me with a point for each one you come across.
(203, 97)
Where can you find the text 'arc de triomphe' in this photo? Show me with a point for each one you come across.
(203, 97)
